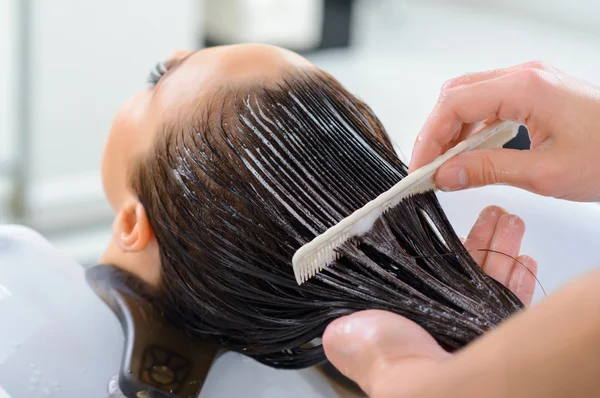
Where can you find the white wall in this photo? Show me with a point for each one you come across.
(6, 51)
(580, 14)
(88, 57)
(6, 113)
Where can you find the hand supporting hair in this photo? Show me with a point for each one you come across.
(552, 350)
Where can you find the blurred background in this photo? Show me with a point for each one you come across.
(66, 66)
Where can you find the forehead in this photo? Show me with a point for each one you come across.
(186, 89)
(205, 71)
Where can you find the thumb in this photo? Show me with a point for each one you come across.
(380, 351)
(490, 166)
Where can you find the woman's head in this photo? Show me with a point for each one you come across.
(186, 86)
(220, 175)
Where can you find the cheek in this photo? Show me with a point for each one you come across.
(112, 164)
(125, 142)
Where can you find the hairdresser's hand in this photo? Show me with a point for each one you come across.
(562, 115)
(386, 353)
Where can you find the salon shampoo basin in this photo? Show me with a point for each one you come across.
(70, 333)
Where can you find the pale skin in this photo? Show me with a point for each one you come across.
(562, 114)
(189, 81)
(551, 350)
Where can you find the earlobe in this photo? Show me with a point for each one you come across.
(131, 228)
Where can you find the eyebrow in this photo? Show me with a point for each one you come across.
(176, 64)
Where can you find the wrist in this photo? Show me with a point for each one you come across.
(552, 350)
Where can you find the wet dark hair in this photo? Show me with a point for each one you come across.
(235, 189)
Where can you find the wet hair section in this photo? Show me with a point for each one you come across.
(235, 190)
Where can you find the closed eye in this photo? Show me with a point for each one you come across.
(157, 72)
(163, 67)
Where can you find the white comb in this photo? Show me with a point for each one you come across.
(314, 256)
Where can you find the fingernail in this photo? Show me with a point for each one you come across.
(512, 220)
(482, 218)
(452, 179)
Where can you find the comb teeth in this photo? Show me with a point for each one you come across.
(314, 256)
(314, 262)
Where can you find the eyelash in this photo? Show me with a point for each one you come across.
(157, 72)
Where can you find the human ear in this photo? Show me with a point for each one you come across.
(131, 229)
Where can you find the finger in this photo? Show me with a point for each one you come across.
(366, 343)
(494, 73)
(507, 243)
(477, 168)
(480, 236)
(509, 97)
(467, 129)
(465, 80)
(522, 281)
(436, 135)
